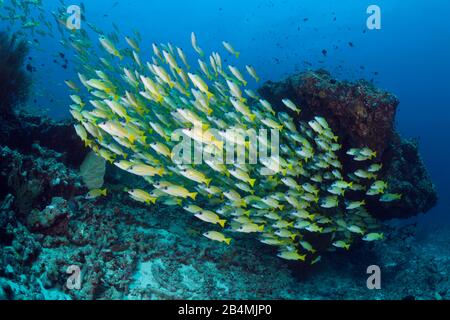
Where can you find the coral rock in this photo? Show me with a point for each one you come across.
(362, 116)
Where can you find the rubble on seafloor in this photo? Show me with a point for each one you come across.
(130, 251)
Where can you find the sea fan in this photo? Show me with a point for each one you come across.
(14, 81)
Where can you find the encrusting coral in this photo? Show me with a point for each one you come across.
(296, 199)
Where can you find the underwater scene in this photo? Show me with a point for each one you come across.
(224, 150)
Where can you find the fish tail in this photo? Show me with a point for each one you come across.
(87, 143)
(222, 223)
(104, 192)
(227, 241)
(193, 195)
(261, 228)
(293, 236)
(238, 54)
(252, 182)
(207, 182)
(347, 247)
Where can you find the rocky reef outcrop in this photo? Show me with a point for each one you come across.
(127, 250)
(362, 115)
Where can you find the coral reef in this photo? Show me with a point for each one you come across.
(126, 250)
(14, 81)
(363, 115)
(35, 178)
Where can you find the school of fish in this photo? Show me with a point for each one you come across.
(132, 108)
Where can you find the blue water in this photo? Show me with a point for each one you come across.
(410, 54)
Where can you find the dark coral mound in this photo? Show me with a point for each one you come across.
(23, 130)
(363, 116)
(14, 81)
